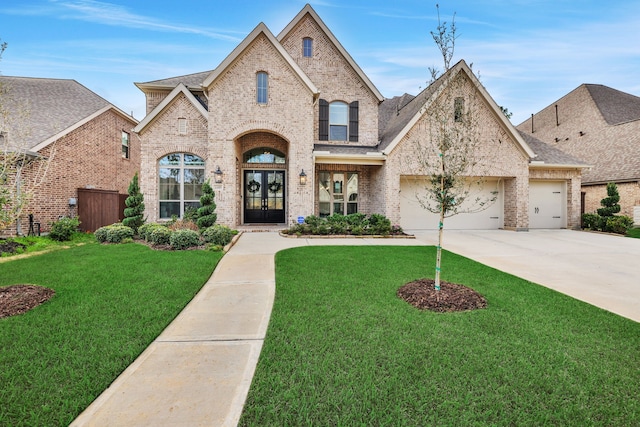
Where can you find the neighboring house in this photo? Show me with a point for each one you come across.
(85, 146)
(600, 125)
(290, 126)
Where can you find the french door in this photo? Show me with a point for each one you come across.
(264, 196)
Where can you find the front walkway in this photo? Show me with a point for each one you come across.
(198, 371)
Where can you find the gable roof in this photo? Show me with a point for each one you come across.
(615, 106)
(548, 156)
(409, 114)
(191, 81)
(180, 89)
(309, 10)
(53, 107)
(261, 29)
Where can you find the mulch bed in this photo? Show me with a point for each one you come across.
(451, 297)
(18, 299)
(10, 246)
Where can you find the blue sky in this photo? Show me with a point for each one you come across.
(527, 53)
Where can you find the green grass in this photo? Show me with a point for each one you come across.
(111, 301)
(634, 232)
(343, 350)
(43, 243)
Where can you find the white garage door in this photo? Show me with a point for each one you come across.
(415, 217)
(547, 204)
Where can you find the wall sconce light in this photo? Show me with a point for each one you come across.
(217, 175)
(303, 178)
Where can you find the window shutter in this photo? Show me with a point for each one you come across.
(353, 121)
(323, 120)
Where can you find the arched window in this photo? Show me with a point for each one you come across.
(307, 47)
(262, 87)
(263, 155)
(338, 121)
(181, 176)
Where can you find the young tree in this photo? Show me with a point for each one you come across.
(447, 150)
(207, 212)
(134, 211)
(21, 171)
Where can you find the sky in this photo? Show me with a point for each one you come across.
(527, 53)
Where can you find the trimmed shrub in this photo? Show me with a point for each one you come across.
(185, 238)
(63, 229)
(591, 221)
(610, 204)
(160, 236)
(115, 233)
(338, 224)
(101, 234)
(145, 230)
(207, 212)
(218, 235)
(135, 206)
(183, 224)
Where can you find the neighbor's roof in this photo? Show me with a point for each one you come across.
(615, 106)
(52, 107)
(191, 81)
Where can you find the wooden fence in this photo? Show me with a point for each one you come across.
(97, 208)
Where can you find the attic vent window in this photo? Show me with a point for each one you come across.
(182, 126)
(458, 109)
(307, 47)
(262, 87)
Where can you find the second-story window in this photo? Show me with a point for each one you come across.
(125, 145)
(338, 121)
(307, 47)
(262, 87)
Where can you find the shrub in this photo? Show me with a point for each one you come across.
(191, 214)
(184, 238)
(160, 236)
(218, 235)
(63, 229)
(207, 212)
(379, 224)
(618, 224)
(115, 233)
(338, 224)
(145, 230)
(135, 206)
(591, 221)
(610, 204)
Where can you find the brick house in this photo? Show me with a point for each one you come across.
(83, 138)
(602, 126)
(290, 126)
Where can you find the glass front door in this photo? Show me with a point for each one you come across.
(264, 196)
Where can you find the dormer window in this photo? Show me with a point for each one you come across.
(262, 86)
(307, 47)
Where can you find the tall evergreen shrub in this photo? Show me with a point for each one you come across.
(207, 212)
(133, 213)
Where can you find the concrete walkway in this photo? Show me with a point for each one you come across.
(198, 371)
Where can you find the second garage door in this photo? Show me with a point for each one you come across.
(547, 204)
(415, 217)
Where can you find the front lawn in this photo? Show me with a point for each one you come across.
(110, 303)
(342, 349)
(634, 232)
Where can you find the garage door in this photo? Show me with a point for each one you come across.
(547, 204)
(415, 217)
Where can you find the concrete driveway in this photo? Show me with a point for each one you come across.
(600, 269)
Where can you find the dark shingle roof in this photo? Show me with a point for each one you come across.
(50, 105)
(548, 154)
(190, 80)
(615, 106)
(345, 149)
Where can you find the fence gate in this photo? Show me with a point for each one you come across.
(97, 208)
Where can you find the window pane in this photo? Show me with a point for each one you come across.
(264, 155)
(338, 208)
(262, 85)
(168, 209)
(338, 113)
(337, 133)
(338, 184)
(193, 160)
(193, 180)
(352, 208)
(352, 187)
(170, 160)
(169, 184)
(307, 47)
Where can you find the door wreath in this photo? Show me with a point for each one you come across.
(253, 186)
(274, 186)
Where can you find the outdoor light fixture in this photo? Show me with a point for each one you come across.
(218, 175)
(303, 178)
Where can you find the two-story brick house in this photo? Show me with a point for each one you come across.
(602, 126)
(82, 141)
(290, 126)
